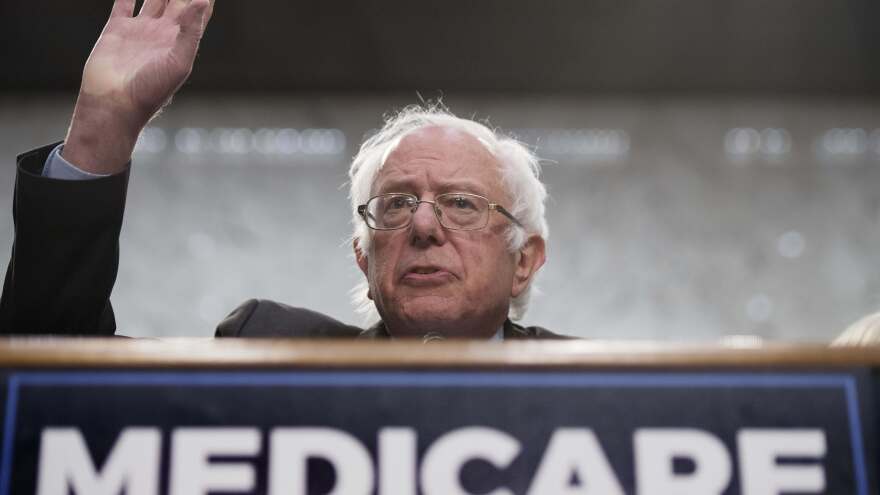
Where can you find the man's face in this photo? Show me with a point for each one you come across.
(425, 278)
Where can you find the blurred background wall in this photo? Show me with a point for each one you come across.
(714, 166)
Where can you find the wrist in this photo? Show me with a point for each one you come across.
(101, 138)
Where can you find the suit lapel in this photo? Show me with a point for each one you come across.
(512, 331)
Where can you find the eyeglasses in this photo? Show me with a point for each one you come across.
(455, 211)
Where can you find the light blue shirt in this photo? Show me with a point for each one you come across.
(57, 167)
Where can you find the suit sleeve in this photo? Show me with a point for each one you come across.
(65, 254)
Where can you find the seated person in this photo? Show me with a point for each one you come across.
(449, 226)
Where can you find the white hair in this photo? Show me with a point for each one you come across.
(520, 172)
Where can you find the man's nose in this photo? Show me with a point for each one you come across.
(426, 226)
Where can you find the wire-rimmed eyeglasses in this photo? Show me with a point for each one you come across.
(454, 211)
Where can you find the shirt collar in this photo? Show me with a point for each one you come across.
(380, 331)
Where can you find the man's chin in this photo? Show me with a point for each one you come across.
(418, 318)
(433, 320)
(448, 321)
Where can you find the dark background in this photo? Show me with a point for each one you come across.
(672, 47)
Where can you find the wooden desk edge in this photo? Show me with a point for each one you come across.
(273, 353)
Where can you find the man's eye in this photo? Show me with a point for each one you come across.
(400, 202)
(463, 203)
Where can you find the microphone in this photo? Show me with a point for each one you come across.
(432, 337)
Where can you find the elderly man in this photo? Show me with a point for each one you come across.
(449, 215)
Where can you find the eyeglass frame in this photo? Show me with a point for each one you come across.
(362, 210)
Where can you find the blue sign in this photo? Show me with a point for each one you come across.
(435, 433)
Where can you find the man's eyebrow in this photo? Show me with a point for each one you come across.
(462, 186)
(404, 185)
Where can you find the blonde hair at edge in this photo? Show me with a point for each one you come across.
(863, 332)
(520, 172)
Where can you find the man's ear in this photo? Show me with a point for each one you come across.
(361, 261)
(528, 260)
(360, 256)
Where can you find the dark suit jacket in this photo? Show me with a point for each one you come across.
(66, 255)
(258, 318)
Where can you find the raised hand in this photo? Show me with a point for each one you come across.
(136, 66)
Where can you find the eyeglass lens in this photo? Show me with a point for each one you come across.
(455, 211)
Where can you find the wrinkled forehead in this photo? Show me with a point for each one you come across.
(446, 153)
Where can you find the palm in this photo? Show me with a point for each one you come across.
(139, 62)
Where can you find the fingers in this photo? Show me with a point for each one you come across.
(153, 8)
(193, 17)
(192, 25)
(209, 14)
(122, 8)
(175, 8)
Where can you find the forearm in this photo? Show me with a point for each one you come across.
(65, 255)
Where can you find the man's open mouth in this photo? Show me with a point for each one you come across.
(426, 275)
(424, 270)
